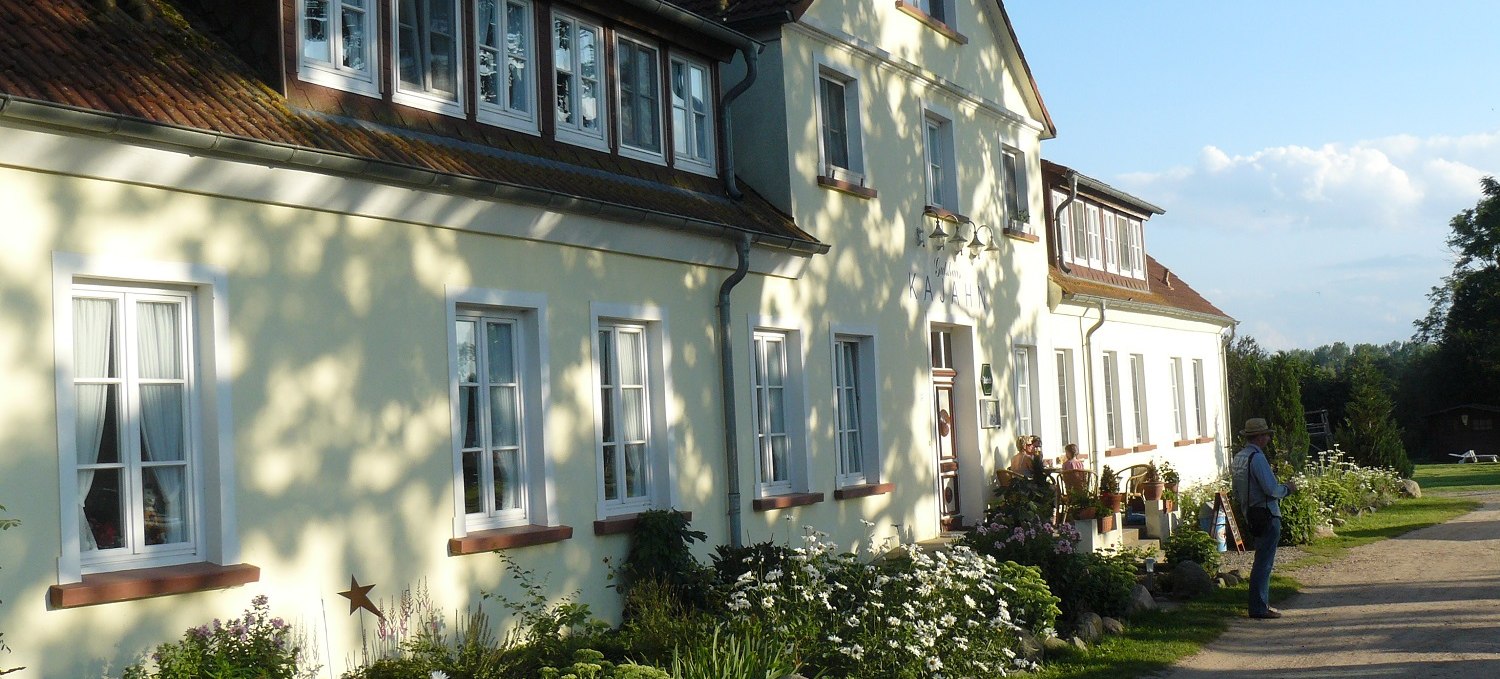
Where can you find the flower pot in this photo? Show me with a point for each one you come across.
(1106, 523)
(1084, 513)
(1151, 490)
(1112, 500)
(1172, 486)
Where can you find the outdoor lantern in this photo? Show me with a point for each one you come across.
(975, 245)
(938, 234)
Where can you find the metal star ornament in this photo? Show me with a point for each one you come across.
(359, 597)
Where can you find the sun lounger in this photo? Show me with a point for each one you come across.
(1469, 456)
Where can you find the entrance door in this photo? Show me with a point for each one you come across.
(946, 449)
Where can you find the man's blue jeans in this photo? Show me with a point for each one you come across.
(1260, 573)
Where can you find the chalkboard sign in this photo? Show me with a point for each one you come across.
(1222, 504)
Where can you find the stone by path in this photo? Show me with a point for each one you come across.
(1426, 604)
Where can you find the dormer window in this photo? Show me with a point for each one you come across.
(692, 126)
(427, 63)
(638, 76)
(577, 64)
(336, 46)
(506, 61)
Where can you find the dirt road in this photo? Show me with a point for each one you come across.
(1426, 604)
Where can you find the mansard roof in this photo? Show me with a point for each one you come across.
(151, 74)
(1166, 292)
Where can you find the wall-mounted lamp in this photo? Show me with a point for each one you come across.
(938, 234)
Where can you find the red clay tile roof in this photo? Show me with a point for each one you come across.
(1168, 292)
(165, 70)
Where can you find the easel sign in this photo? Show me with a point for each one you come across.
(1222, 504)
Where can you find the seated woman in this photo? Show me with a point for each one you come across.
(1072, 461)
(1024, 463)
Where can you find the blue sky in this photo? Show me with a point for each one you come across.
(1309, 154)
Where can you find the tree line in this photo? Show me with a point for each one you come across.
(1377, 396)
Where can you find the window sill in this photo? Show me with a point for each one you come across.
(916, 13)
(142, 583)
(784, 501)
(1204, 439)
(1187, 442)
(507, 538)
(944, 214)
(624, 523)
(863, 490)
(1020, 235)
(850, 188)
(1144, 447)
(1116, 452)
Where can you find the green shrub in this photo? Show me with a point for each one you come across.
(726, 654)
(252, 646)
(1300, 517)
(590, 664)
(661, 551)
(1027, 597)
(1191, 544)
(1097, 582)
(658, 623)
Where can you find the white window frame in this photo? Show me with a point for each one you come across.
(1179, 406)
(208, 426)
(424, 98)
(628, 150)
(1112, 420)
(1111, 236)
(660, 436)
(576, 134)
(502, 114)
(1024, 389)
(1065, 410)
(1013, 194)
(1138, 399)
(793, 388)
(1137, 249)
(1200, 397)
(333, 73)
(699, 160)
(1079, 238)
(941, 172)
(528, 311)
(862, 343)
(853, 139)
(1095, 247)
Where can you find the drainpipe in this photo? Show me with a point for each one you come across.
(1088, 381)
(1227, 428)
(1057, 217)
(726, 369)
(752, 56)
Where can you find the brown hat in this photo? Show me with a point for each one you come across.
(1255, 426)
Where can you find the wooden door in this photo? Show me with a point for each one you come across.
(946, 448)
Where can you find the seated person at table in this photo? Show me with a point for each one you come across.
(1073, 461)
(1025, 460)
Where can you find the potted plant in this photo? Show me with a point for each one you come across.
(1151, 489)
(1106, 522)
(1081, 505)
(1020, 221)
(1109, 489)
(1169, 476)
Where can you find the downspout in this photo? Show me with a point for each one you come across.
(726, 370)
(1088, 377)
(1057, 218)
(752, 56)
(1228, 423)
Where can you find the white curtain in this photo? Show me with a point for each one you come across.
(93, 323)
(161, 406)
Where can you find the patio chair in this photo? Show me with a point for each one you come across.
(1467, 456)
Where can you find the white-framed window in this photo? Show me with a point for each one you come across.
(578, 81)
(1179, 405)
(940, 10)
(780, 435)
(1112, 400)
(1080, 232)
(1111, 242)
(692, 115)
(638, 91)
(1067, 429)
(1200, 398)
(506, 63)
(143, 382)
(1013, 189)
(942, 176)
(1091, 216)
(840, 141)
(633, 434)
(1134, 245)
(1025, 390)
(335, 46)
(854, 377)
(429, 62)
(1138, 398)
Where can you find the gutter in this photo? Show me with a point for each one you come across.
(1156, 309)
(135, 130)
(726, 384)
(696, 23)
(1088, 381)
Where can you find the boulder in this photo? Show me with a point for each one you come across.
(1090, 627)
(1410, 488)
(1240, 573)
(1078, 643)
(1140, 600)
(1054, 644)
(1113, 627)
(1231, 578)
(1190, 581)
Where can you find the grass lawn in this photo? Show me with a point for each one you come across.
(1155, 641)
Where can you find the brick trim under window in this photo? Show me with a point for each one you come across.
(1185, 442)
(850, 188)
(142, 583)
(916, 12)
(1144, 447)
(763, 504)
(1116, 452)
(863, 490)
(1020, 235)
(507, 538)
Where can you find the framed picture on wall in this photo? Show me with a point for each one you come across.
(989, 413)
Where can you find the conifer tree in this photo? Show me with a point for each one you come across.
(1286, 415)
(1369, 433)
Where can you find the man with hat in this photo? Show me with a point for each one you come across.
(1258, 495)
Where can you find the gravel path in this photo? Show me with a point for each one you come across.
(1426, 604)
